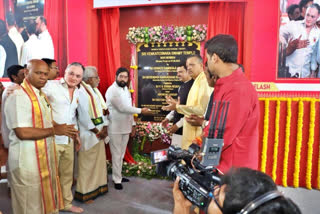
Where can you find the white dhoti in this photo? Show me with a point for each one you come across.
(92, 173)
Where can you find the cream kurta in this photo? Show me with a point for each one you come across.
(24, 173)
(197, 102)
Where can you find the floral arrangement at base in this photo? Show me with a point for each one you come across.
(151, 132)
(166, 33)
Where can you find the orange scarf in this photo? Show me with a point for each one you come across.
(48, 197)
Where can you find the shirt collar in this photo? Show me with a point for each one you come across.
(232, 77)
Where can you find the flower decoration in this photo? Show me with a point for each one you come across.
(151, 132)
(167, 33)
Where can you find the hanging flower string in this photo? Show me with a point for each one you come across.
(299, 144)
(287, 144)
(265, 136)
(276, 141)
(310, 143)
(167, 33)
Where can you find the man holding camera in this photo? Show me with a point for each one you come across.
(241, 132)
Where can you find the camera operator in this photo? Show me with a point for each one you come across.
(239, 189)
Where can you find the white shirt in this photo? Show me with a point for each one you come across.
(18, 111)
(4, 128)
(17, 39)
(64, 109)
(119, 104)
(170, 118)
(3, 57)
(299, 60)
(87, 137)
(47, 45)
(31, 50)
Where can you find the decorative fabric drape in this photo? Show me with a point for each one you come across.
(109, 46)
(2, 13)
(56, 16)
(227, 18)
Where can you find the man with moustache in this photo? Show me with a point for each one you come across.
(174, 116)
(54, 70)
(63, 95)
(93, 126)
(119, 104)
(197, 100)
(33, 171)
(241, 130)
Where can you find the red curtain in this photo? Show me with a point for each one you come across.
(227, 18)
(109, 46)
(2, 15)
(55, 11)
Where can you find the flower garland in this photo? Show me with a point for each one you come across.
(276, 141)
(167, 33)
(310, 143)
(287, 144)
(265, 136)
(299, 144)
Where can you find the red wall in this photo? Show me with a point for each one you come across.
(179, 15)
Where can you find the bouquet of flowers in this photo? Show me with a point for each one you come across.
(151, 132)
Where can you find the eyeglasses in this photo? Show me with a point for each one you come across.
(56, 67)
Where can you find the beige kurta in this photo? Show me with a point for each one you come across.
(24, 173)
(197, 102)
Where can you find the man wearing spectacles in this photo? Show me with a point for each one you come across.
(54, 69)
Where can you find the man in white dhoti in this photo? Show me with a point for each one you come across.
(32, 159)
(93, 126)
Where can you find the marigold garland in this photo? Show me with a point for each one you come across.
(276, 141)
(265, 136)
(298, 146)
(310, 143)
(287, 144)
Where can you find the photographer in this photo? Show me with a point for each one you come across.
(238, 188)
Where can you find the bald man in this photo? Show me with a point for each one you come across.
(32, 160)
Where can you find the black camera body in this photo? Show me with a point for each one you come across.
(196, 183)
(197, 177)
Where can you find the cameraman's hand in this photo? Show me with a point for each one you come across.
(181, 204)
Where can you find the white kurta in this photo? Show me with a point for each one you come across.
(4, 128)
(119, 103)
(88, 138)
(3, 57)
(31, 49)
(64, 109)
(18, 112)
(17, 39)
(47, 45)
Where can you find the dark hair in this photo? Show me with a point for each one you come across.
(122, 69)
(42, 19)
(303, 3)
(14, 70)
(225, 46)
(199, 58)
(291, 8)
(31, 27)
(48, 61)
(244, 185)
(20, 23)
(78, 64)
(182, 64)
(279, 205)
(3, 27)
(10, 19)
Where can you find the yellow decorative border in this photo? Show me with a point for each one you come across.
(287, 144)
(276, 141)
(265, 136)
(310, 143)
(298, 146)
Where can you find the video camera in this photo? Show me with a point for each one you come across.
(198, 176)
